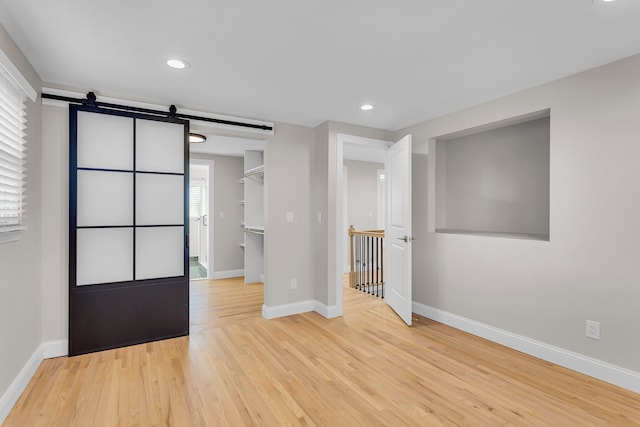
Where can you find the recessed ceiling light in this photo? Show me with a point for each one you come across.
(196, 138)
(177, 63)
(366, 107)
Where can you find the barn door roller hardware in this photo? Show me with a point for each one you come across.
(91, 101)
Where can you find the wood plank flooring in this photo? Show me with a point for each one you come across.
(363, 369)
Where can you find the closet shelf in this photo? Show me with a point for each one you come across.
(254, 230)
(258, 170)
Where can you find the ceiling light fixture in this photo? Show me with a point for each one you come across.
(177, 63)
(366, 107)
(197, 138)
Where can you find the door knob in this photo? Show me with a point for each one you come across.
(406, 239)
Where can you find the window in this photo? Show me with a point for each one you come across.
(12, 153)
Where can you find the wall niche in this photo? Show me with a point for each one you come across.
(493, 180)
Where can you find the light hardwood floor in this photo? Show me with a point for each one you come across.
(363, 369)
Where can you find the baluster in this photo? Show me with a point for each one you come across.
(361, 263)
(382, 267)
(372, 265)
(366, 254)
(367, 264)
(366, 258)
(375, 264)
(358, 261)
(377, 256)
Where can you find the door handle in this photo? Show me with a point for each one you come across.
(204, 220)
(406, 239)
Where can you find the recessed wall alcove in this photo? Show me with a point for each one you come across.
(493, 180)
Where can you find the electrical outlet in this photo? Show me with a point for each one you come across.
(593, 329)
(294, 283)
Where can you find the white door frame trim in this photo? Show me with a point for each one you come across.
(210, 209)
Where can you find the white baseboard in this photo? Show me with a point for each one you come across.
(227, 274)
(57, 348)
(604, 371)
(11, 396)
(46, 350)
(328, 311)
(287, 309)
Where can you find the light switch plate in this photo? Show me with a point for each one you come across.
(289, 216)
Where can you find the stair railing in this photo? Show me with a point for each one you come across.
(366, 249)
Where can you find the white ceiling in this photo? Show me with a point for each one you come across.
(307, 61)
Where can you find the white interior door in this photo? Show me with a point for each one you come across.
(398, 228)
(204, 228)
(195, 193)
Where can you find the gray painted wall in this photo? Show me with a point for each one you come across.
(55, 240)
(362, 190)
(287, 245)
(227, 192)
(319, 205)
(496, 180)
(588, 270)
(419, 230)
(21, 277)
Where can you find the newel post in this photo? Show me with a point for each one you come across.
(352, 274)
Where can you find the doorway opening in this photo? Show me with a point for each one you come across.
(226, 221)
(362, 194)
(394, 252)
(199, 256)
(360, 167)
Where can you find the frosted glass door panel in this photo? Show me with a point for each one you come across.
(159, 252)
(104, 255)
(105, 198)
(105, 141)
(159, 199)
(159, 146)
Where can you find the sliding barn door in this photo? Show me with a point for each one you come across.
(128, 254)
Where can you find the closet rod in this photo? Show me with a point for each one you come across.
(91, 100)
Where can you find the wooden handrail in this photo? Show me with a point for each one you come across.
(374, 233)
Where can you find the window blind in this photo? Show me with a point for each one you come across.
(12, 154)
